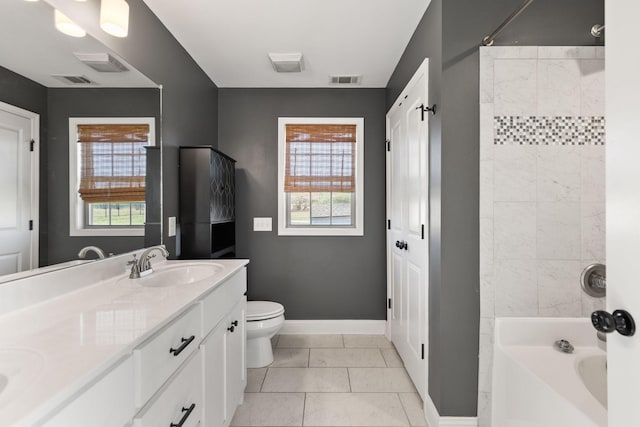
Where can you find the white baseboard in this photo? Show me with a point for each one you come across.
(435, 420)
(361, 327)
(431, 412)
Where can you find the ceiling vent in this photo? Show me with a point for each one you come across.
(101, 62)
(346, 80)
(286, 62)
(74, 80)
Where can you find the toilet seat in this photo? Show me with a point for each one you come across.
(263, 310)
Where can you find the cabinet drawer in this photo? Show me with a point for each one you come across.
(217, 304)
(158, 357)
(106, 403)
(180, 398)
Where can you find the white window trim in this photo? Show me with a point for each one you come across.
(358, 230)
(76, 205)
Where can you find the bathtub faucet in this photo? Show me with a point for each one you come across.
(594, 280)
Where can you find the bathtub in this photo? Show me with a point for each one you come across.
(536, 385)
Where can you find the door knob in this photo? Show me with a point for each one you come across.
(619, 320)
(401, 244)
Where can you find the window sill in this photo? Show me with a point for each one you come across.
(107, 232)
(301, 231)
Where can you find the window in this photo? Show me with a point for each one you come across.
(107, 184)
(320, 176)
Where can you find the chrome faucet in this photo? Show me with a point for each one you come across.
(142, 265)
(83, 252)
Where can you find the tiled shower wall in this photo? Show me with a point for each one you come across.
(542, 186)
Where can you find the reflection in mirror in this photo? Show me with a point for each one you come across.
(47, 78)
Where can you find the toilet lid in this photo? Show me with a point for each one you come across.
(259, 310)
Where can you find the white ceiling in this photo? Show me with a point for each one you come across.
(32, 47)
(230, 39)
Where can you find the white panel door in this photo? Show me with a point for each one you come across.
(623, 206)
(415, 233)
(407, 181)
(396, 173)
(16, 191)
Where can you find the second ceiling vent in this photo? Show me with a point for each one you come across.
(352, 79)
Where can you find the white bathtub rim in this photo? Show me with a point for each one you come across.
(573, 391)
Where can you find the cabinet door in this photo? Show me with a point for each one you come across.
(236, 339)
(214, 353)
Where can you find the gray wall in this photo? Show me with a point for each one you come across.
(190, 98)
(65, 103)
(313, 277)
(29, 95)
(454, 301)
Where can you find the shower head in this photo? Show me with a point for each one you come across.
(596, 30)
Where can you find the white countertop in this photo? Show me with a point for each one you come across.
(70, 339)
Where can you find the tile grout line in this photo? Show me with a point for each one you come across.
(404, 409)
(304, 407)
(383, 358)
(263, 380)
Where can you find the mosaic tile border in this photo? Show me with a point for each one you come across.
(542, 130)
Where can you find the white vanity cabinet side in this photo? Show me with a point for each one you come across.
(223, 349)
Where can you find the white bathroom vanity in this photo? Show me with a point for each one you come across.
(89, 346)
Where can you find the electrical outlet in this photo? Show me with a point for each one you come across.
(172, 226)
(262, 224)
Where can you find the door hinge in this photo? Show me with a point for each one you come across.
(422, 231)
(389, 300)
(388, 224)
(422, 351)
(30, 225)
(388, 145)
(31, 144)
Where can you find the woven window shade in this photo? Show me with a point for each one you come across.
(320, 158)
(113, 162)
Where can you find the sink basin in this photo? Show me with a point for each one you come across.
(182, 274)
(593, 372)
(20, 369)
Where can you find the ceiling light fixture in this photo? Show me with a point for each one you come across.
(114, 17)
(286, 62)
(67, 26)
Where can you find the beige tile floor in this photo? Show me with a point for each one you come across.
(331, 381)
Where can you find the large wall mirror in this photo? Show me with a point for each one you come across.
(57, 77)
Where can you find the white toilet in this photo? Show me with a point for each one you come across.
(264, 320)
